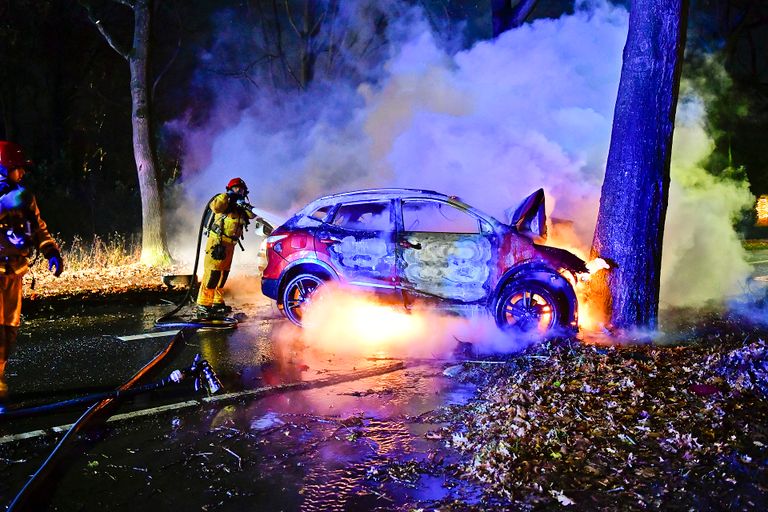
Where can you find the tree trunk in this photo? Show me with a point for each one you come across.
(154, 250)
(633, 201)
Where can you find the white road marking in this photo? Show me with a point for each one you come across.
(158, 334)
(24, 435)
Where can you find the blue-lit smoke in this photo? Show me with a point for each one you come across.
(491, 124)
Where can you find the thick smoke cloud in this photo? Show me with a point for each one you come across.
(491, 123)
(703, 259)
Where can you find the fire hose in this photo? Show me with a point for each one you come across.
(200, 370)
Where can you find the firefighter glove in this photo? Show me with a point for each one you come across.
(55, 263)
(242, 203)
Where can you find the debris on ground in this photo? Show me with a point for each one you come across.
(585, 426)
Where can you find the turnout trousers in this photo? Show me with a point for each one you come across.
(10, 319)
(215, 273)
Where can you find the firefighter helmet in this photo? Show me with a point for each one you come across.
(237, 182)
(11, 157)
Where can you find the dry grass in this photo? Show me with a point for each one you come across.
(755, 244)
(114, 250)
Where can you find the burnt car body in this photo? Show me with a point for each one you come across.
(420, 245)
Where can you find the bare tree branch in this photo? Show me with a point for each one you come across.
(279, 40)
(170, 62)
(103, 31)
(333, 7)
(315, 29)
(506, 17)
(521, 11)
(290, 18)
(299, 33)
(165, 69)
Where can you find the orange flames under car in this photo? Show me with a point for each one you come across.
(342, 320)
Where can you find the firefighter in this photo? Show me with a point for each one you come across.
(21, 232)
(231, 214)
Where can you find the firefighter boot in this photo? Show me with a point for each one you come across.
(222, 309)
(204, 312)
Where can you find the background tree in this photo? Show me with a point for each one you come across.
(733, 35)
(633, 201)
(154, 249)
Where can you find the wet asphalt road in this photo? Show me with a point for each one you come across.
(325, 448)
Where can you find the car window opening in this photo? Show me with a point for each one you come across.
(437, 217)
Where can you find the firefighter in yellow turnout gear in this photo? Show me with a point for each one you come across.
(231, 214)
(22, 230)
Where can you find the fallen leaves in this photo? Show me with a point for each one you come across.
(628, 427)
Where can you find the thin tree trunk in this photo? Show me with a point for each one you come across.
(308, 54)
(153, 246)
(633, 202)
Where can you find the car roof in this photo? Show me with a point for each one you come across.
(371, 194)
(386, 193)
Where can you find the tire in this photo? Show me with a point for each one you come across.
(297, 295)
(528, 306)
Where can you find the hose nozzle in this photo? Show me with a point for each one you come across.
(205, 377)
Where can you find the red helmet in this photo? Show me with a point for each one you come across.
(11, 157)
(237, 182)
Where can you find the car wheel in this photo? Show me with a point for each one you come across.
(528, 306)
(297, 296)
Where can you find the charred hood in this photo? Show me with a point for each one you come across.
(560, 258)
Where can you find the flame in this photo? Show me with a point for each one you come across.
(342, 320)
(590, 314)
(589, 317)
(761, 208)
(378, 326)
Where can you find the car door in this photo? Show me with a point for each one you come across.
(360, 241)
(444, 251)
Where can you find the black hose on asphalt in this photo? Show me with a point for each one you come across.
(170, 319)
(22, 499)
(198, 367)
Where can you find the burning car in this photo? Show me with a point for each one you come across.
(423, 246)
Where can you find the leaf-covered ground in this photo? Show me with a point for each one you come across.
(600, 427)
